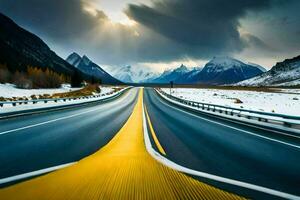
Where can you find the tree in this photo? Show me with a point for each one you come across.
(21, 80)
(76, 79)
(5, 75)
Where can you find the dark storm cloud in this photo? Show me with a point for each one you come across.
(167, 30)
(252, 40)
(198, 26)
(57, 19)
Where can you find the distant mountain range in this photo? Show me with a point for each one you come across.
(131, 74)
(225, 70)
(20, 48)
(218, 71)
(86, 66)
(286, 73)
(171, 75)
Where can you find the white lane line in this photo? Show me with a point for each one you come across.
(48, 122)
(186, 170)
(248, 132)
(34, 173)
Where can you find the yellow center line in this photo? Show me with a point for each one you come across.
(123, 169)
(160, 148)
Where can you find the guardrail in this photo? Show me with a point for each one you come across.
(56, 100)
(60, 105)
(286, 120)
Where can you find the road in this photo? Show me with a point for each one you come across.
(196, 141)
(122, 169)
(35, 142)
(223, 148)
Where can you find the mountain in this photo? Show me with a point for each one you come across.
(286, 73)
(124, 74)
(218, 71)
(225, 70)
(171, 75)
(130, 74)
(189, 76)
(20, 49)
(86, 66)
(258, 66)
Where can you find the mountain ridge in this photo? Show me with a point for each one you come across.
(218, 71)
(21, 48)
(85, 65)
(285, 73)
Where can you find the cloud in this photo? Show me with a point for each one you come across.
(166, 30)
(252, 41)
(57, 19)
(200, 28)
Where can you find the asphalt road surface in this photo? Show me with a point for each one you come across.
(223, 148)
(39, 141)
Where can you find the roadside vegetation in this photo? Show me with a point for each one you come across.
(88, 90)
(33, 78)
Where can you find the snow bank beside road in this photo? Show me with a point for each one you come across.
(9, 91)
(282, 103)
(10, 108)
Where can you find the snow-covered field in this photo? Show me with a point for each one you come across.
(10, 91)
(105, 90)
(284, 102)
(8, 108)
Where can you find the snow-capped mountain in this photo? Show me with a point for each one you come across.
(286, 73)
(218, 71)
(189, 76)
(258, 66)
(85, 65)
(171, 75)
(74, 59)
(225, 70)
(130, 74)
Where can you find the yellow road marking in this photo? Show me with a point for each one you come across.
(160, 148)
(122, 169)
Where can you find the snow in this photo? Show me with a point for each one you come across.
(9, 91)
(130, 74)
(105, 90)
(74, 59)
(86, 60)
(291, 83)
(282, 102)
(268, 80)
(225, 63)
(288, 77)
(224, 60)
(8, 108)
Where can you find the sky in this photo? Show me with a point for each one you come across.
(162, 34)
